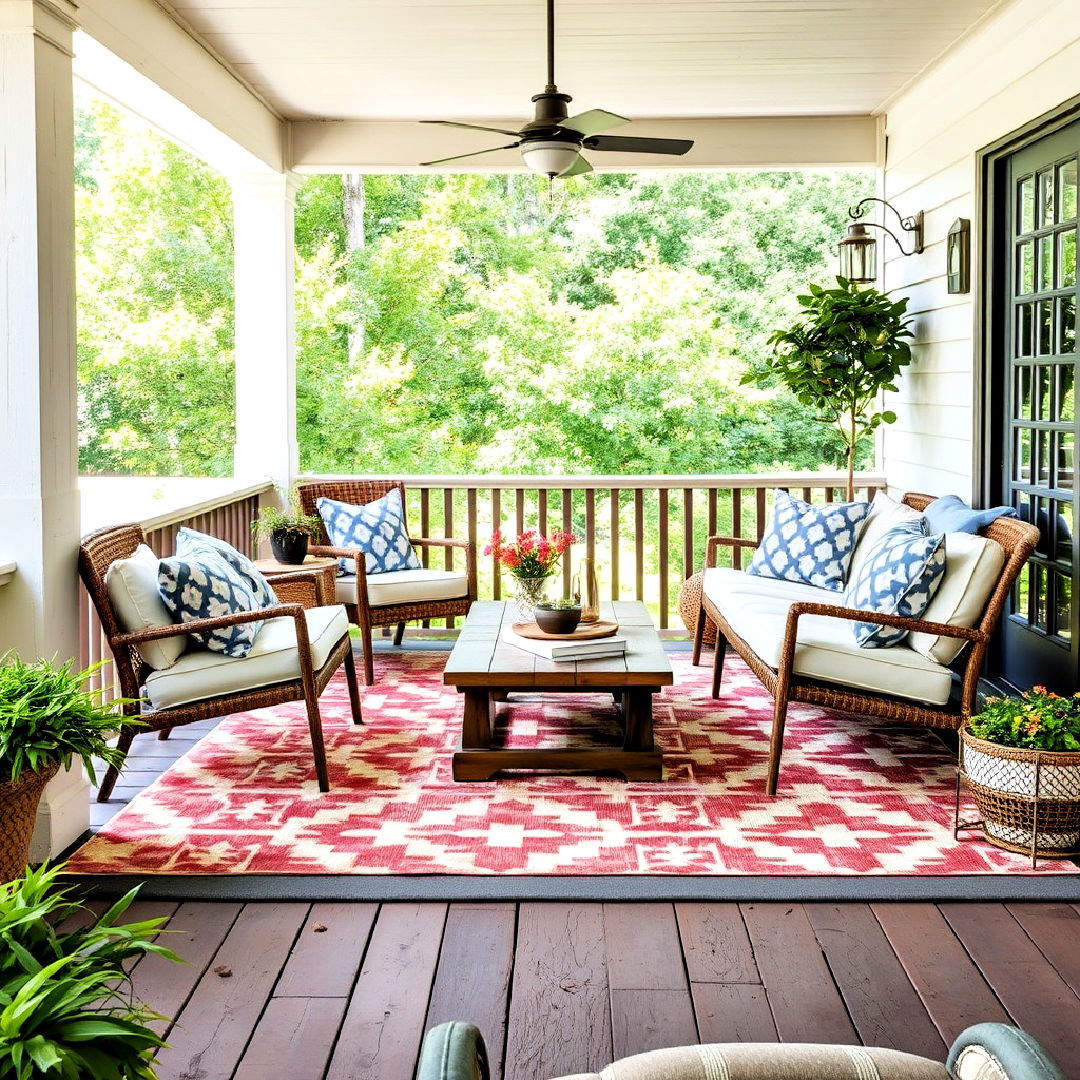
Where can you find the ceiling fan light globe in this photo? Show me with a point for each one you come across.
(550, 157)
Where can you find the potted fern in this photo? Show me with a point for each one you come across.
(66, 1009)
(1021, 758)
(47, 719)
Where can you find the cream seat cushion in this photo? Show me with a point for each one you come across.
(405, 587)
(133, 592)
(273, 659)
(972, 568)
(826, 649)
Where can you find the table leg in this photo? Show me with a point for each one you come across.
(639, 720)
(476, 723)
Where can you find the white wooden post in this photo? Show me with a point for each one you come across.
(39, 498)
(265, 328)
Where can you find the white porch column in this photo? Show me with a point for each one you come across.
(39, 499)
(265, 333)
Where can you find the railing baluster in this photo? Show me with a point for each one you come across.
(590, 525)
(496, 523)
(663, 545)
(736, 526)
(639, 543)
(448, 531)
(760, 523)
(567, 527)
(425, 523)
(613, 510)
(688, 533)
(542, 511)
(519, 500)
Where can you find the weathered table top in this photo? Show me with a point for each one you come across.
(481, 659)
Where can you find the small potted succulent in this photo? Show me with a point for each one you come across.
(558, 616)
(289, 531)
(47, 719)
(1021, 757)
(66, 1008)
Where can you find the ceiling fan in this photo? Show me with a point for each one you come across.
(551, 143)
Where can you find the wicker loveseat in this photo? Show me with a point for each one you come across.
(797, 640)
(455, 1051)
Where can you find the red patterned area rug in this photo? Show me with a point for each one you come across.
(855, 797)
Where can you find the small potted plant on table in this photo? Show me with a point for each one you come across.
(558, 616)
(47, 719)
(289, 531)
(1021, 758)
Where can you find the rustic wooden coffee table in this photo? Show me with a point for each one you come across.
(484, 668)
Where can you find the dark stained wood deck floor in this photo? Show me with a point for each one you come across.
(344, 991)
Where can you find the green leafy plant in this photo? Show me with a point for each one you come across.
(66, 1009)
(273, 521)
(563, 604)
(847, 346)
(1036, 720)
(47, 717)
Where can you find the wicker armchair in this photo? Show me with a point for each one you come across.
(353, 592)
(1017, 539)
(296, 592)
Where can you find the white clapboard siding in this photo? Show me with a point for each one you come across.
(1018, 63)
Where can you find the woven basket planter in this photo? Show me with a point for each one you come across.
(1029, 799)
(690, 605)
(18, 811)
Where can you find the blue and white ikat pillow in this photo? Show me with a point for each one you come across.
(810, 544)
(205, 586)
(377, 529)
(192, 542)
(898, 577)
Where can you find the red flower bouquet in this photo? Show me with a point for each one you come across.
(530, 555)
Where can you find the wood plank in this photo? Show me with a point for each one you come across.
(1055, 929)
(806, 1003)
(644, 1020)
(294, 1038)
(560, 1017)
(642, 947)
(951, 987)
(384, 1025)
(732, 1012)
(478, 955)
(1034, 993)
(715, 943)
(881, 1001)
(324, 962)
(209, 1036)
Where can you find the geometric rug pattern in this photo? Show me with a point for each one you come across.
(855, 796)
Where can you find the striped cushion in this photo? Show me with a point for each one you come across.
(771, 1061)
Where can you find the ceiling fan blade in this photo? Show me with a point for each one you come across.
(580, 166)
(470, 127)
(461, 157)
(628, 145)
(589, 123)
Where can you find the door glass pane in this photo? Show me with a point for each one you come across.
(1066, 453)
(1046, 263)
(1067, 189)
(1063, 606)
(1022, 591)
(1026, 210)
(1066, 392)
(1042, 472)
(1046, 198)
(1024, 405)
(1046, 327)
(1022, 460)
(1025, 268)
(1066, 259)
(1067, 324)
(1045, 384)
(1025, 317)
(1038, 598)
(1062, 549)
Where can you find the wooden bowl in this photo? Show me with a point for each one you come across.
(557, 620)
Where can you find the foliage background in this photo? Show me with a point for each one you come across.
(456, 324)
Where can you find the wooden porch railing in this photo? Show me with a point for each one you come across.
(228, 516)
(645, 534)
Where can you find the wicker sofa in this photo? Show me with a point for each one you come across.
(455, 1051)
(797, 640)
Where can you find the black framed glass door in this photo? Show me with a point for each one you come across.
(1037, 366)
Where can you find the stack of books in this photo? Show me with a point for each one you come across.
(568, 649)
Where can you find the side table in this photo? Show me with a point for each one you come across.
(319, 567)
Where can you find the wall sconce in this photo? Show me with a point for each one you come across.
(858, 249)
(958, 256)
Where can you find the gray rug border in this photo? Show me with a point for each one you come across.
(449, 888)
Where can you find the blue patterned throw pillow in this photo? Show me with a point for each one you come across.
(377, 529)
(202, 587)
(192, 542)
(811, 544)
(898, 577)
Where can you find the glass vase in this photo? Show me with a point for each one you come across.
(529, 593)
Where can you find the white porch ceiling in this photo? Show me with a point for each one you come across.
(479, 59)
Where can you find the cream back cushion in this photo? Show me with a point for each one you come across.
(885, 513)
(133, 592)
(972, 568)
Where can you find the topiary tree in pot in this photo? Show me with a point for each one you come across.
(847, 346)
(48, 718)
